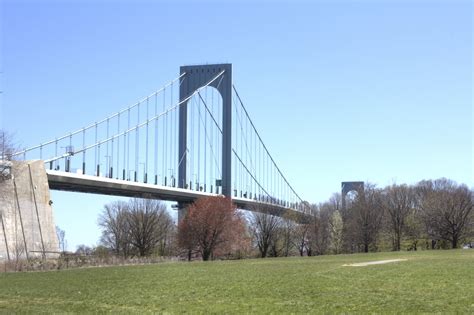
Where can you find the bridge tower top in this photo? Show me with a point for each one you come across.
(347, 187)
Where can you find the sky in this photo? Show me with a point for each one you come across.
(378, 91)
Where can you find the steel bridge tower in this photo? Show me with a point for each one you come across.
(193, 78)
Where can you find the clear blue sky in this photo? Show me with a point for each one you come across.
(378, 91)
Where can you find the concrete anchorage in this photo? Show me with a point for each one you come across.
(27, 223)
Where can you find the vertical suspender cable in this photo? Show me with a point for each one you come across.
(217, 143)
(84, 152)
(205, 147)
(199, 144)
(155, 149)
(171, 136)
(96, 164)
(211, 144)
(247, 157)
(128, 147)
(137, 143)
(111, 162)
(191, 140)
(242, 175)
(68, 159)
(255, 159)
(107, 156)
(165, 137)
(260, 166)
(220, 110)
(235, 144)
(124, 175)
(145, 180)
(249, 139)
(98, 161)
(56, 153)
(118, 147)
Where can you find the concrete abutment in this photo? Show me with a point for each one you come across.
(27, 228)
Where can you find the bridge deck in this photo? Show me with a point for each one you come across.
(108, 186)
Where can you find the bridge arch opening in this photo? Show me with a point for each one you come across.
(204, 141)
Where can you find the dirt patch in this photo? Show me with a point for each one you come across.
(376, 262)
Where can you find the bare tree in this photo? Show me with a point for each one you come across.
(61, 235)
(168, 242)
(84, 250)
(335, 202)
(149, 224)
(115, 228)
(265, 228)
(367, 217)
(139, 227)
(302, 230)
(7, 148)
(319, 234)
(301, 237)
(398, 202)
(414, 230)
(350, 228)
(446, 209)
(288, 233)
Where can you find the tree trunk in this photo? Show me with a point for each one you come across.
(366, 248)
(397, 242)
(455, 242)
(206, 254)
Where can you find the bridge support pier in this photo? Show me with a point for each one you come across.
(182, 211)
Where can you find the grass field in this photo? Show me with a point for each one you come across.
(429, 281)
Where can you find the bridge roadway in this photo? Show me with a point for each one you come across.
(65, 181)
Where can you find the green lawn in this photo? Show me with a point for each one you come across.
(429, 281)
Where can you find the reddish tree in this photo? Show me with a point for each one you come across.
(186, 236)
(209, 226)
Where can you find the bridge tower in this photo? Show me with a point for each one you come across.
(194, 78)
(347, 187)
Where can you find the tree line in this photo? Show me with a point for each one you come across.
(432, 214)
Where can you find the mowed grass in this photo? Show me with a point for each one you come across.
(429, 281)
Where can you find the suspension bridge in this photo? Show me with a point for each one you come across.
(193, 137)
